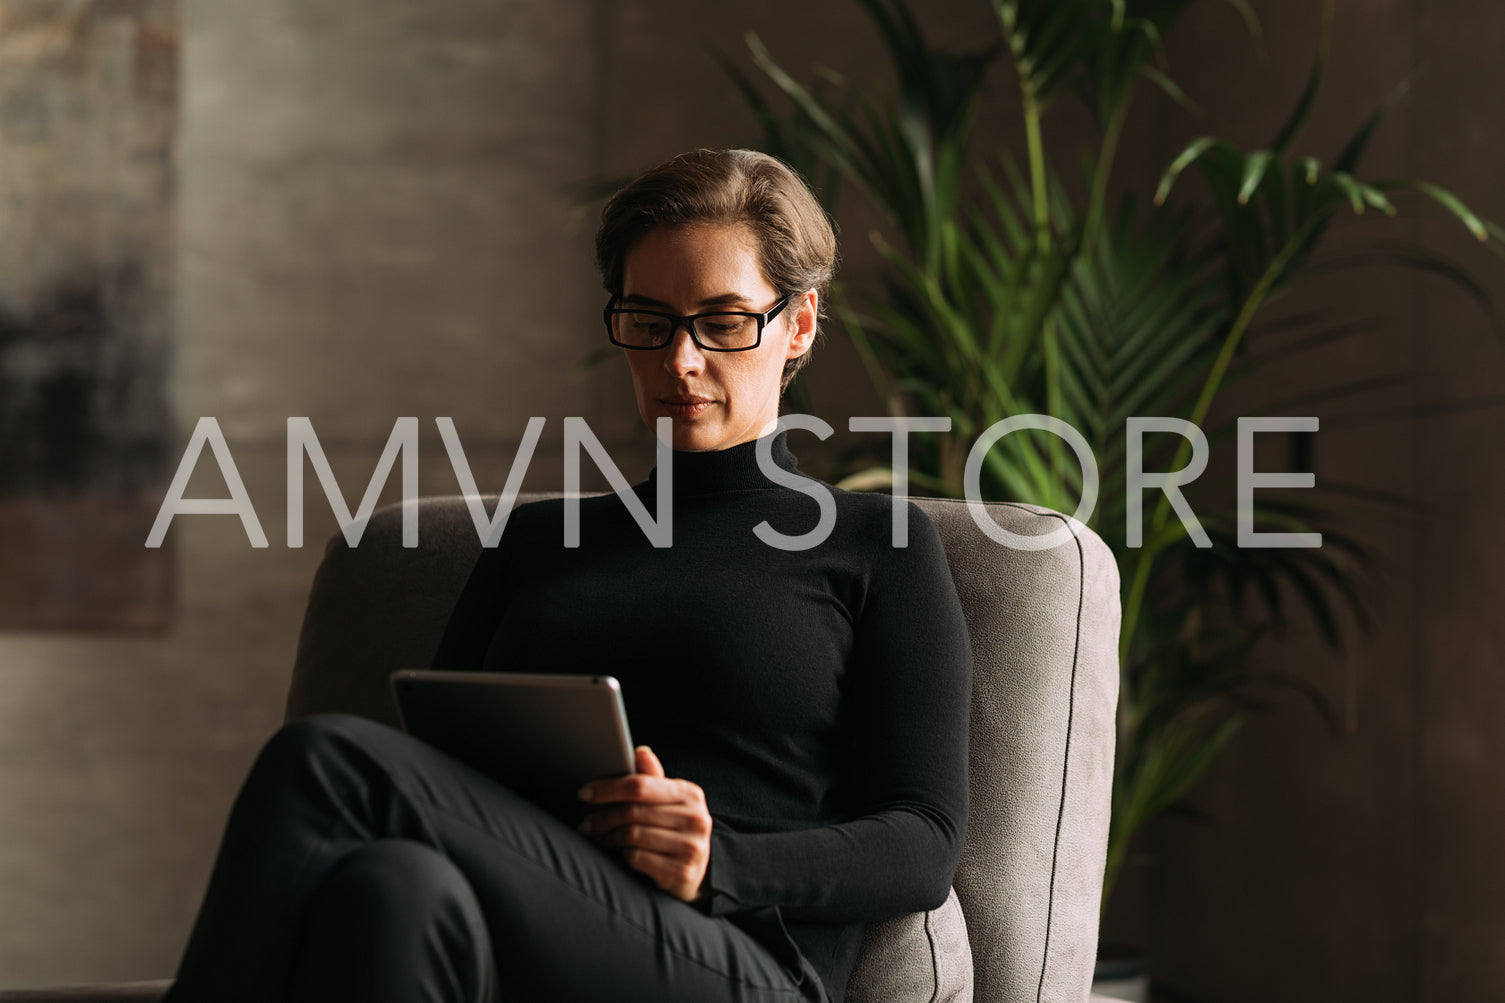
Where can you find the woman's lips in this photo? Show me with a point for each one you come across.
(685, 406)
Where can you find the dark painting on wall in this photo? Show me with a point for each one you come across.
(88, 114)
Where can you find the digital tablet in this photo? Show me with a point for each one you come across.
(544, 736)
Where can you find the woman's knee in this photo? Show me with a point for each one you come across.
(398, 914)
(402, 877)
(328, 758)
(319, 738)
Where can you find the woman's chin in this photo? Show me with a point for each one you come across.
(701, 434)
(694, 440)
(684, 435)
(698, 437)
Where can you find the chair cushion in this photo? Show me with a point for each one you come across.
(920, 958)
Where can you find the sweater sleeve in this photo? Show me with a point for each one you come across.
(911, 681)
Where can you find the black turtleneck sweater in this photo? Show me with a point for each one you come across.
(819, 697)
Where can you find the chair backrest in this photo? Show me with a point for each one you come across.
(1044, 627)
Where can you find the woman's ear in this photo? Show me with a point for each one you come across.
(804, 313)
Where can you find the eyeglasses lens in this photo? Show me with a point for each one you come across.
(716, 331)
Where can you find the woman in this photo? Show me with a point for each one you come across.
(804, 711)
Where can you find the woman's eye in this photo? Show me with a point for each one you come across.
(724, 325)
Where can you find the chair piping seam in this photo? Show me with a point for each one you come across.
(1055, 852)
(935, 965)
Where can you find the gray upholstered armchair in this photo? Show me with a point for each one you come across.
(1021, 924)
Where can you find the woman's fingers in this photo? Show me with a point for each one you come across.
(673, 848)
(673, 816)
(647, 762)
(676, 820)
(670, 842)
(676, 875)
(662, 825)
(641, 787)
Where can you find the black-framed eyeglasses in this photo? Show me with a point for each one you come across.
(646, 330)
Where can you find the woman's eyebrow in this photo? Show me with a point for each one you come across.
(723, 299)
(644, 300)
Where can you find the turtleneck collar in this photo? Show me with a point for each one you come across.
(732, 469)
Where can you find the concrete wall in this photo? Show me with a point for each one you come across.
(374, 223)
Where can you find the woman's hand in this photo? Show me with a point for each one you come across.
(662, 826)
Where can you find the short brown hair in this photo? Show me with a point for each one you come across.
(795, 239)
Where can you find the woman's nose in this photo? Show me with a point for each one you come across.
(683, 355)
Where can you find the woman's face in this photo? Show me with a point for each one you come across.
(715, 399)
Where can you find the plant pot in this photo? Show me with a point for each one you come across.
(1122, 973)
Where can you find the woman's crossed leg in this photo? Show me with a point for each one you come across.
(359, 863)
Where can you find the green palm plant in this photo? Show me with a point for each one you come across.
(1005, 291)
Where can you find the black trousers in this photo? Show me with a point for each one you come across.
(360, 864)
